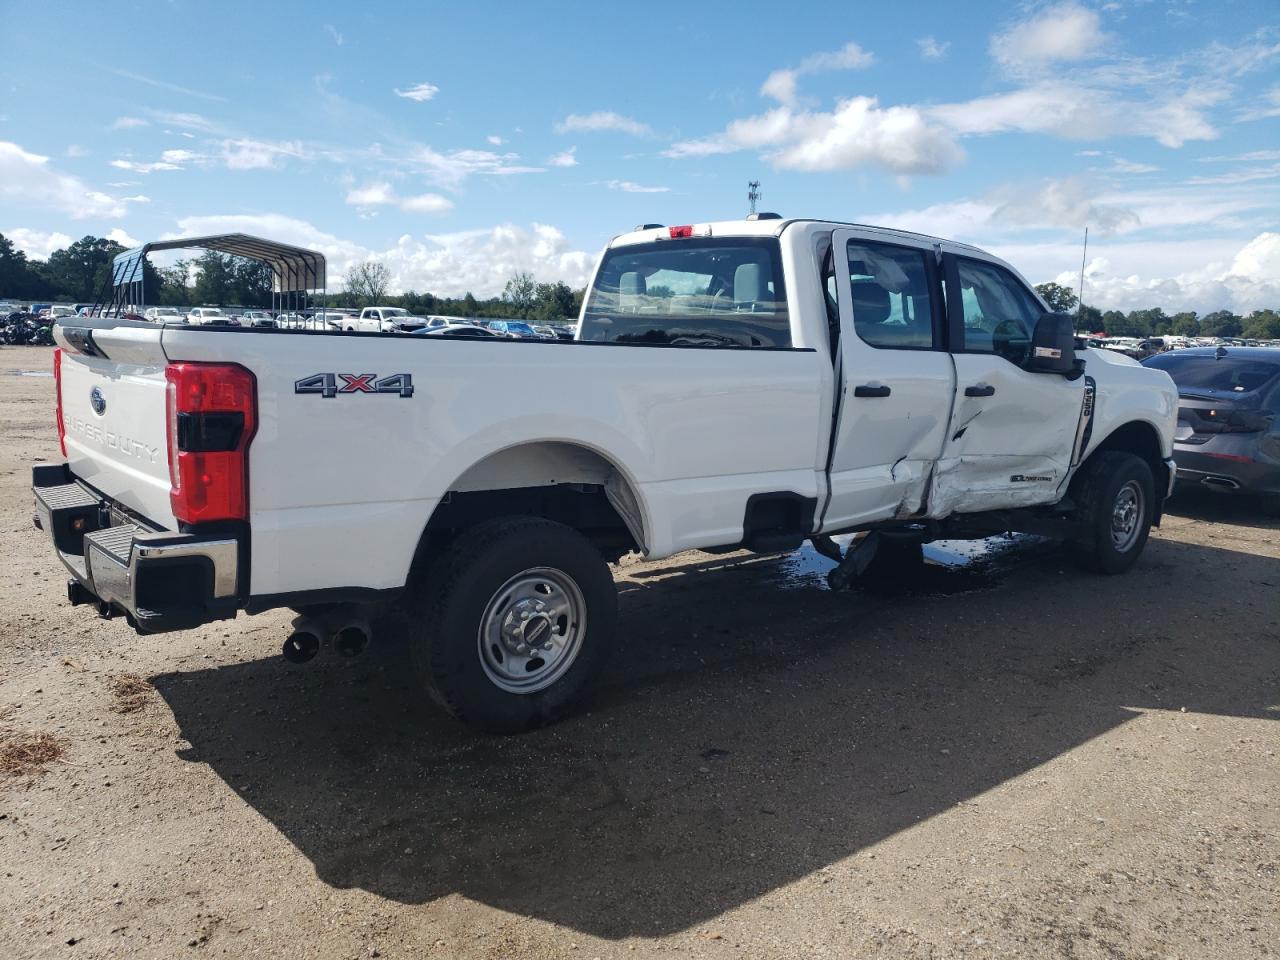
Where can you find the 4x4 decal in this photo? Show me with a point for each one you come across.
(327, 384)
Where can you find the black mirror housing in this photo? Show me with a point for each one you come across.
(1053, 345)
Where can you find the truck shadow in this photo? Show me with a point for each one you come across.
(743, 737)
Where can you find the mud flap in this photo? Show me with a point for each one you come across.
(855, 562)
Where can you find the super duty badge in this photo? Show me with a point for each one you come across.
(327, 384)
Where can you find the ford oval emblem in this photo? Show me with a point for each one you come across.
(97, 401)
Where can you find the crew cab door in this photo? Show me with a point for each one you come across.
(896, 380)
(1012, 431)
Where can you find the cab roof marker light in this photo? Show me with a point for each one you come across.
(690, 230)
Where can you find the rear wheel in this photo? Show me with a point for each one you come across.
(517, 618)
(1115, 494)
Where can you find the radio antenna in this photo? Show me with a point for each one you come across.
(753, 193)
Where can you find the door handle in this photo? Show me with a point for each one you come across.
(867, 390)
(981, 390)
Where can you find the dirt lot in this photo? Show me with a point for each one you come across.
(1005, 758)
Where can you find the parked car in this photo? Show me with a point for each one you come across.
(1228, 433)
(806, 379)
(457, 330)
(164, 315)
(210, 316)
(387, 320)
(257, 318)
(545, 332)
(513, 328)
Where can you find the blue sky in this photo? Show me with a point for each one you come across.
(458, 143)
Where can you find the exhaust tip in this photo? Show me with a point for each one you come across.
(1221, 483)
(301, 646)
(351, 640)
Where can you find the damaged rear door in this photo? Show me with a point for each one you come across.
(896, 376)
(1012, 431)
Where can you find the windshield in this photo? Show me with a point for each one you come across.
(1206, 372)
(706, 292)
(519, 327)
(394, 312)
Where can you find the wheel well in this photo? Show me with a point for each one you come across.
(558, 481)
(1142, 440)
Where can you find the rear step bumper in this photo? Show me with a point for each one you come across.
(158, 579)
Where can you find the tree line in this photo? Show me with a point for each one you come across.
(1154, 322)
(80, 272)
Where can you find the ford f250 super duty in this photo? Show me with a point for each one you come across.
(750, 384)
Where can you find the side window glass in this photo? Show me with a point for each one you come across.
(892, 302)
(999, 315)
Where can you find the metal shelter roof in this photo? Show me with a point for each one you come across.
(294, 269)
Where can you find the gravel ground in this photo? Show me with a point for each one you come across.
(1004, 757)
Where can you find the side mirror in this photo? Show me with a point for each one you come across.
(1053, 345)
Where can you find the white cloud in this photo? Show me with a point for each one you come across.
(932, 49)
(165, 85)
(566, 158)
(179, 156)
(1216, 276)
(781, 84)
(1268, 106)
(494, 139)
(1076, 112)
(188, 121)
(626, 186)
(1243, 175)
(128, 123)
(119, 236)
(1064, 32)
(332, 31)
(257, 154)
(603, 120)
(75, 150)
(1121, 165)
(1068, 202)
(475, 261)
(857, 133)
(421, 92)
(26, 179)
(134, 166)
(380, 193)
(37, 244)
(452, 168)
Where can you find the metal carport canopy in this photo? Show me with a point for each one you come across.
(294, 269)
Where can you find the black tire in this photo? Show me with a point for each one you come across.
(896, 560)
(1097, 490)
(445, 621)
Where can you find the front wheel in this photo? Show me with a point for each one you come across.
(1115, 494)
(515, 619)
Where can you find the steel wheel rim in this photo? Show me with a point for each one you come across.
(1126, 516)
(532, 629)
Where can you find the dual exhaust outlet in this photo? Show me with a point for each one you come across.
(346, 633)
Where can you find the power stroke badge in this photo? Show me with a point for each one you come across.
(329, 385)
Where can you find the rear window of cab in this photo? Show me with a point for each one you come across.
(703, 292)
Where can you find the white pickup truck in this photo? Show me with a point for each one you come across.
(387, 320)
(741, 384)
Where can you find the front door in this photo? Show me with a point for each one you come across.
(897, 380)
(1012, 431)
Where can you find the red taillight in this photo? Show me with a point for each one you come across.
(211, 420)
(678, 233)
(57, 389)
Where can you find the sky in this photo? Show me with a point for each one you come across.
(459, 143)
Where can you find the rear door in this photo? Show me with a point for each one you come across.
(897, 379)
(114, 408)
(1012, 431)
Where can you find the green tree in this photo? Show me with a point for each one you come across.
(1088, 319)
(215, 282)
(1111, 319)
(553, 303)
(19, 278)
(367, 282)
(251, 282)
(1184, 325)
(82, 270)
(470, 308)
(1262, 325)
(1060, 299)
(521, 292)
(1220, 323)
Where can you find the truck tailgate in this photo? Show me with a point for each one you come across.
(114, 409)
